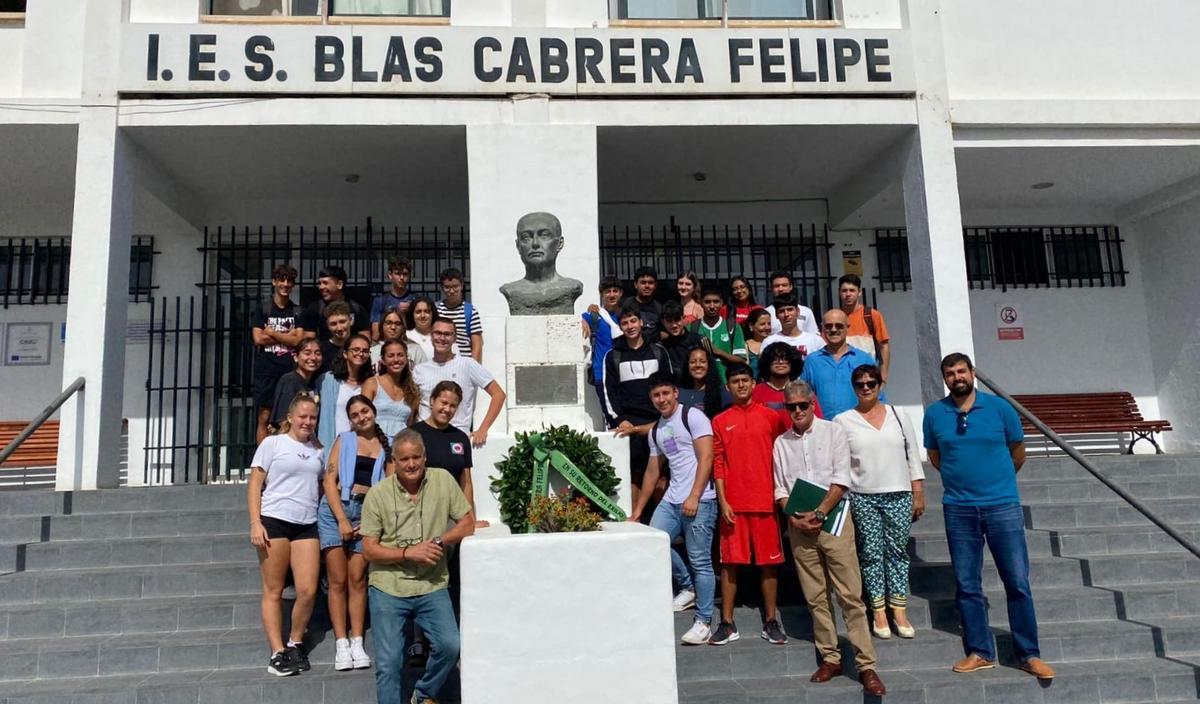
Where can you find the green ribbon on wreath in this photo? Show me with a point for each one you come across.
(544, 459)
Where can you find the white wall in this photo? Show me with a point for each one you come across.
(1170, 248)
(872, 14)
(12, 50)
(1070, 49)
(53, 62)
(164, 10)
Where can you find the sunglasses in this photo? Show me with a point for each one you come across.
(961, 428)
(864, 385)
(798, 406)
(834, 326)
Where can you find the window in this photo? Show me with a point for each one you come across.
(38, 270)
(717, 9)
(15, 6)
(318, 8)
(1019, 257)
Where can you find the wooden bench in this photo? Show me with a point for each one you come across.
(38, 450)
(1110, 412)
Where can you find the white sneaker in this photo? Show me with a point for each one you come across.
(684, 600)
(358, 655)
(342, 659)
(698, 634)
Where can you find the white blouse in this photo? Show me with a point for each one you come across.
(883, 460)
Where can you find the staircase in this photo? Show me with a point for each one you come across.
(151, 595)
(1118, 605)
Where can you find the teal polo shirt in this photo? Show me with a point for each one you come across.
(977, 469)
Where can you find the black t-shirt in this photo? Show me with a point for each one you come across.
(650, 314)
(449, 449)
(276, 357)
(289, 385)
(328, 351)
(314, 318)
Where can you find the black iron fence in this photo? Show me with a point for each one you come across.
(200, 412)
(720, 252)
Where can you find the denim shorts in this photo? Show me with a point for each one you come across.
(327, 525)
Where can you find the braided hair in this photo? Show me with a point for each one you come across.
(379, 434)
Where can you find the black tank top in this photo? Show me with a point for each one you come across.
(363, 468)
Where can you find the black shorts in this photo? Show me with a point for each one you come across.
(285, 530)
(265, 379)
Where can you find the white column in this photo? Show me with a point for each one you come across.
(98, 294)
(935, 246)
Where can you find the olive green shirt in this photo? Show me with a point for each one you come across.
(399, 521)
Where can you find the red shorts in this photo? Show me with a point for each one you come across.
(760, 530)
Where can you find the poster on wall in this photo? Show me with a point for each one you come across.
(1009, 325)
(852, 262)
(27, 344)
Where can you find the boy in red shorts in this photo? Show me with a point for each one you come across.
(745, 489)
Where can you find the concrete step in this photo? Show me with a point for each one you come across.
(108, 583)
(1039, 490)
(1148, 602)
(129, 616)
(151, 498)
(931, 545)
(128, 552)
(123, 524)
(1148, 569)
(1136, 680)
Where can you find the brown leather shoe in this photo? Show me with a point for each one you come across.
(871, 683)
(827, 671)
(1038, 668)
(974, 662)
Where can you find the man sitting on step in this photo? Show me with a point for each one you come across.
(975, 440)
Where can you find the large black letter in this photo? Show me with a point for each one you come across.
(655, 53)
(396, 63)
(822, 61)
(799, 75)
(620, 56)
(262, 66)
(875, 60)
(152, 57)
(357, 74)
(589, 52)
(197, 56)
(490, 75)
(689, 62)
(520, 63)
(329, 64)
(845, 53)
(768, 59)
(554, 60)
(736, 60)
(426, 48)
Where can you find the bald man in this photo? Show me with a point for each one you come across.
(828, 370)
(543, 291)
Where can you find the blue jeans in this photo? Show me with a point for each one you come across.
(697, 533)
(1003, 527)
(435, 618)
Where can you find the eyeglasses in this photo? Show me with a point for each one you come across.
(437, 333)
(870, 384)
(961, 428)
(798, 406)
(834, 326)
(359, 350)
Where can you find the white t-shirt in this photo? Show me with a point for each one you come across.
(466, 372)
(293, 479)
(676, 443)
(341, 421)
(805, 320)
(806, 342)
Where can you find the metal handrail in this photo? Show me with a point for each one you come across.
(1086, 464)
(41, 418)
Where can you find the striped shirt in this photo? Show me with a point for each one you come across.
(459, 316)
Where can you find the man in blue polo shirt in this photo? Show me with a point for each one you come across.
(828, 369)
(975, 440)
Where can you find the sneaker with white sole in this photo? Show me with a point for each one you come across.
(684, 600)
(726, 633)
(772, 632)
(698, 634)
(342, 659)
(281, 665)
(358, 655)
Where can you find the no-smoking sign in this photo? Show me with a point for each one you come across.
(1009, 319)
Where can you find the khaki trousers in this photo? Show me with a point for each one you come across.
(823, 559)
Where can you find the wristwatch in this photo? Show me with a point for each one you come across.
(438, 540)
(820, 515)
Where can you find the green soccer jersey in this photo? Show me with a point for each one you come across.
(726, 336)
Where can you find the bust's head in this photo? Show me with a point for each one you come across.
(539, 239)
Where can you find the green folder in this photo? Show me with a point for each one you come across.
(806, 496)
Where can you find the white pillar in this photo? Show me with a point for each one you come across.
(102, 224)
(935, 246)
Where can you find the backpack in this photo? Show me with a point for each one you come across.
(870, 321)
(686, 426)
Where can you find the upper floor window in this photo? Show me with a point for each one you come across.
(721, 9)
(36, 270)
(322, 8)
(12, 6)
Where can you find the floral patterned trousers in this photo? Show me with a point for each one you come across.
(883, 522)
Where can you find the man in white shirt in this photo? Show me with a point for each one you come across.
(817, 451)
(787, 310)
(781, 284)
(689, 507)
(469, 374)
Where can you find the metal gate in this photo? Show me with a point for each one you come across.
(200, 415)
(720, 252)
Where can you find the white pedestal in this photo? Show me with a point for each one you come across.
(544, 372)
(568, 617)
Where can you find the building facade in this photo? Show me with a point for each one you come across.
(1017, 180)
